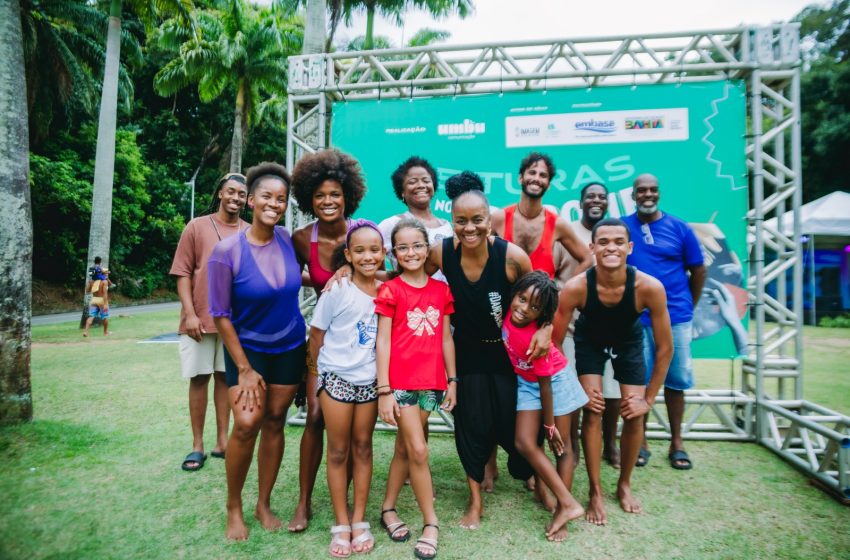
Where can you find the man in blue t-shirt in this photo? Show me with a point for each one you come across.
(665, 247)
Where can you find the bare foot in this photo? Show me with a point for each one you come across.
(563, 515)
(300, 519)
(267, 518)
(628, 502)
(612, 456)
(547, 500)
(491, 474)
(560, 535)
(530, 484)
(596, 510)
(472, 518)
(236, 528)
(85, 333)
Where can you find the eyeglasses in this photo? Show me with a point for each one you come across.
(647, 234)
(417, 247)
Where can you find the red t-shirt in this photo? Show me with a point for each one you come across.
(517, 340)
(416, 350)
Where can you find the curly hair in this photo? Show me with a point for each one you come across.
(533, 158)
(401, 172)
(543, 291)
(267, 169)
(466, 182)
(314, 169)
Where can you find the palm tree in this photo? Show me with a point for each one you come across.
(237, 47)
(16, 228)
(394, 11)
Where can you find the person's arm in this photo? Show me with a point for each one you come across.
(387, 406)
(434, 262)
(193, 324)
(570, 241)
(569, 299)
(450, 400)
(105, 291)
(497, 222)
(250, 382)
(696, 281)
(317, 340)
(556, 443)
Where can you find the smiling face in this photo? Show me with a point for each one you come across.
(611, 246)
(233, 196)
(471, 220)
(411, 249)
(594, 203)
(269, 201)
(329, 201)
(418, 187)
(646, 195)
(525, 307)
(535, 179)
(365, 251)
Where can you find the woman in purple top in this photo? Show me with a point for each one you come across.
(254, 279)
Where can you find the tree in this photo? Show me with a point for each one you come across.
(16, 235)
(237, 47)
(394, 11)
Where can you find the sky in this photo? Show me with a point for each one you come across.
(517, 20)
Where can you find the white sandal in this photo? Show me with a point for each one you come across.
(363, 537)
(339, 541)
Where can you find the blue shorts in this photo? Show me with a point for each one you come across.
(680, 375)
(98, 312)
(567, 393)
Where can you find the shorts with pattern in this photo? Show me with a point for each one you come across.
(99, 312)
(341, 390)
(427, 399)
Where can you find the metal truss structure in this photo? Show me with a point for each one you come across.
(768, 408)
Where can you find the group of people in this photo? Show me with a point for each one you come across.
(513, 320)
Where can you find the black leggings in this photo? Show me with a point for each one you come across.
(485, 416)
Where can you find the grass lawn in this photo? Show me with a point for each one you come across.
(96, 475)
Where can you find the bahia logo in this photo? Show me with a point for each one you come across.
(468, 126)
(593, 125)
(645, 124)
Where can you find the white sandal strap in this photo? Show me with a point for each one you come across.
(361, 525)
(340, 529)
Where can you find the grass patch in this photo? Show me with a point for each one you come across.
(96, 475)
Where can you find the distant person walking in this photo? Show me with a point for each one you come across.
(201, 349)
(99, 302)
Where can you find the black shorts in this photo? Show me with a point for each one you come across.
(626, 357)
(286, 368)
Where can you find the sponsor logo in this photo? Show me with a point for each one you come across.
(527, 131)
(644, 123)
(596, 125)
(468, 126)
(405, 130)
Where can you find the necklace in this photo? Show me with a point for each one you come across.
(526, 216)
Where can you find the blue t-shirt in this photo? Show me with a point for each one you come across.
(666, 252)
(257, 287)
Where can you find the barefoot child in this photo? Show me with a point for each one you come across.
(415, 354)
(547, 390)
(342, 345)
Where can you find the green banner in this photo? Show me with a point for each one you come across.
(690, 136)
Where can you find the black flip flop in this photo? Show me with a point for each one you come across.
(194, 457)
(643, 457)
(680, 456)
(217, 454)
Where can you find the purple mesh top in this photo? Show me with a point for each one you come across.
(257, 287)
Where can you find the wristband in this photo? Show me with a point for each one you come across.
(451, 380)
(550, 430)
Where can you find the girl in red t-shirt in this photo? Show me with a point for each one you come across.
(415, 358)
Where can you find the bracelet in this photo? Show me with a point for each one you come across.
(385, 393)
(379, 387)
(550, 430)
(452, 380)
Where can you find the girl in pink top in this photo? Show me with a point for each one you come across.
(415, 357)
(329, 186)
(546, 390)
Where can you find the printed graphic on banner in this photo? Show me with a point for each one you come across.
(690, 136)
(656, 125)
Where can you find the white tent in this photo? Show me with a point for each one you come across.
(828, 215)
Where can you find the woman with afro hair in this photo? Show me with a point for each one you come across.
(327, 185)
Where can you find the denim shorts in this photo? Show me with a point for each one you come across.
(680, 375)
(567, 393)
(427, 399)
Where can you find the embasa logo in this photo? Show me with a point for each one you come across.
(645, 123)
(468, 126)
(593, 125)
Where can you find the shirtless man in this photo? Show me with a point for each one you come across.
(611, 297)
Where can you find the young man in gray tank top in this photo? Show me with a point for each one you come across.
(611, 298)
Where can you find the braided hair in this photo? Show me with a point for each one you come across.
(543, 290)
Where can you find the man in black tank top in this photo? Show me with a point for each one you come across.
(611, 296)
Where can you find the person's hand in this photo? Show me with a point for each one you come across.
(556, 443)
(596, 402)
(250, 383)
(340, 276)
(450, 400)
(388, 409)
(540, 342)
(634, 406)
(194, 328)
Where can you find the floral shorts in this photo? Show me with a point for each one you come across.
(341, 390)
(427, 399)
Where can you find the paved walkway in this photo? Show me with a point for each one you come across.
(115, 311)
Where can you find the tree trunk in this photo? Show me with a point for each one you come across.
(314, 27)
(238, 136)
(370, 25)
(104, 163)
(16, 234)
